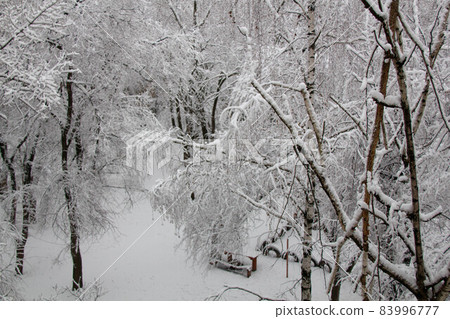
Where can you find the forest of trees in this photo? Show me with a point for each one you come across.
(331, 116)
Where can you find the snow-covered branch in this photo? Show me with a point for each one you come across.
(376, 12)
(354, 119)
(174, 12)
(263, 207)
(427, 217)
(286, 119)
(309, 109)
(23, 28)
(388, 101)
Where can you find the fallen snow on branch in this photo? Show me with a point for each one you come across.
(388, 101)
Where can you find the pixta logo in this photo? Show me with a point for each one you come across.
(148, 151)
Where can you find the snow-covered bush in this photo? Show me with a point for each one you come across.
(200, 201)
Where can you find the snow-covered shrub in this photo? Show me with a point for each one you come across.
(200, 202)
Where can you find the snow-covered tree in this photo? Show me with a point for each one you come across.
(63, 117)
(358, 129)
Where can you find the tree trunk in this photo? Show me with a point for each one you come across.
(372, 152)
(3, 182)
(29, 208)
(214, 107)
(415, 215)
(28, 205)
(336, 290)
(369, 171)
(12, 181)
(173, 115)
(308, 220)
(311, 71)
(77, 270)
(178, 115)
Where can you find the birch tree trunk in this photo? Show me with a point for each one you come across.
(311, 71)
(308, 218)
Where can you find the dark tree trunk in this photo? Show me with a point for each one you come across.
(77, 270)
(203, 125)
(178, 113)
(173, 115)
(369, 170)
(28, 211)
(336, 287)
(3, 182)
(28, 205)
(414, 216)
(336, 290)
(214, 107)
(12, 180)
(371, 157)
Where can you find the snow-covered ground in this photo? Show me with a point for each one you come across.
(152, 269)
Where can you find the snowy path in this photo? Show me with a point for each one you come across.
(151, 270)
